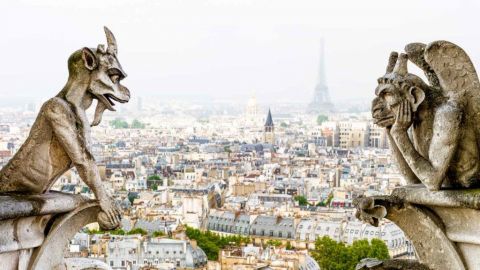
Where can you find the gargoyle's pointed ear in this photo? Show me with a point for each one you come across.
(89, 59)
(418, 97)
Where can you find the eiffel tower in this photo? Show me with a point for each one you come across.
(321, 98)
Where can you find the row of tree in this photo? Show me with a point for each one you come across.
(212, 243)
(120, 123)
(332, 255)
(302, 200)
(329, 254)
(123, 232)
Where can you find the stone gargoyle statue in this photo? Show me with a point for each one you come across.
(434, 134)
(443, 116)
(60, 137)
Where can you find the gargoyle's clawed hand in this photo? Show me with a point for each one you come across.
(403, 118)
(112, 212)
(368, 212)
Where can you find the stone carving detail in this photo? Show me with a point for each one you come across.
(433, 129)
(60, 137)
(374, 264)
(443, 115)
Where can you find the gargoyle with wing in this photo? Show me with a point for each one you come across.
(444, 115)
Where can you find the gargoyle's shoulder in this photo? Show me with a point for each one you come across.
(57, 107)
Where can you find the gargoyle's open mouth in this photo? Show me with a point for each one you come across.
(108, 100)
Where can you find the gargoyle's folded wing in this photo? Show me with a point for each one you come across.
(416, 54)
(454, 70)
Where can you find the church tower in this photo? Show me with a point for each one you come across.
(269, 131)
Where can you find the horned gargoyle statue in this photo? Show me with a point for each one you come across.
(444, 115)
(60, 137)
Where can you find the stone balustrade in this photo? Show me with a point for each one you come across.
(442, 225)
(35, 229)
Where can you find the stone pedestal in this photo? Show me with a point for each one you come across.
(35, 229)
(444, 226)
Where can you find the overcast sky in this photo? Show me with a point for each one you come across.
(225, 49)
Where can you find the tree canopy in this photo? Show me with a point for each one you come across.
(301, 200)
(120, 123)
(332, 255)
(212, 243)
(137, 124)
(321, 118)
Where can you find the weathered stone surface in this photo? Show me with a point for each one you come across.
(418, 194)
(62, 230)
(60, 136)
(397, 264)
(442, 116)
(85, 264)
(424, 228)
(35, 224)
(18, 205)
(443, 225)
(24, 241)
(22, 233)
(433, 131)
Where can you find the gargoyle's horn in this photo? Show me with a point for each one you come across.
(391, 61)
(401, 66)
(112, 43)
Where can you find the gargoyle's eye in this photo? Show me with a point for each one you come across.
(115, 78)
(115, 75)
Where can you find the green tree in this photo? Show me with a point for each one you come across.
(137, 231)
(289, 246)
(132, 197)
(137, 124)
(321, 118)
(274, 243)
(379, 249)
(301, 200)
(158, 233)
(113, 232)
(154, 177)
(211, 243)
(360, 249)
(117, 232)
(153, 181)
(119, 123)
(283, 125)
(332, 255)
(329, 199)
